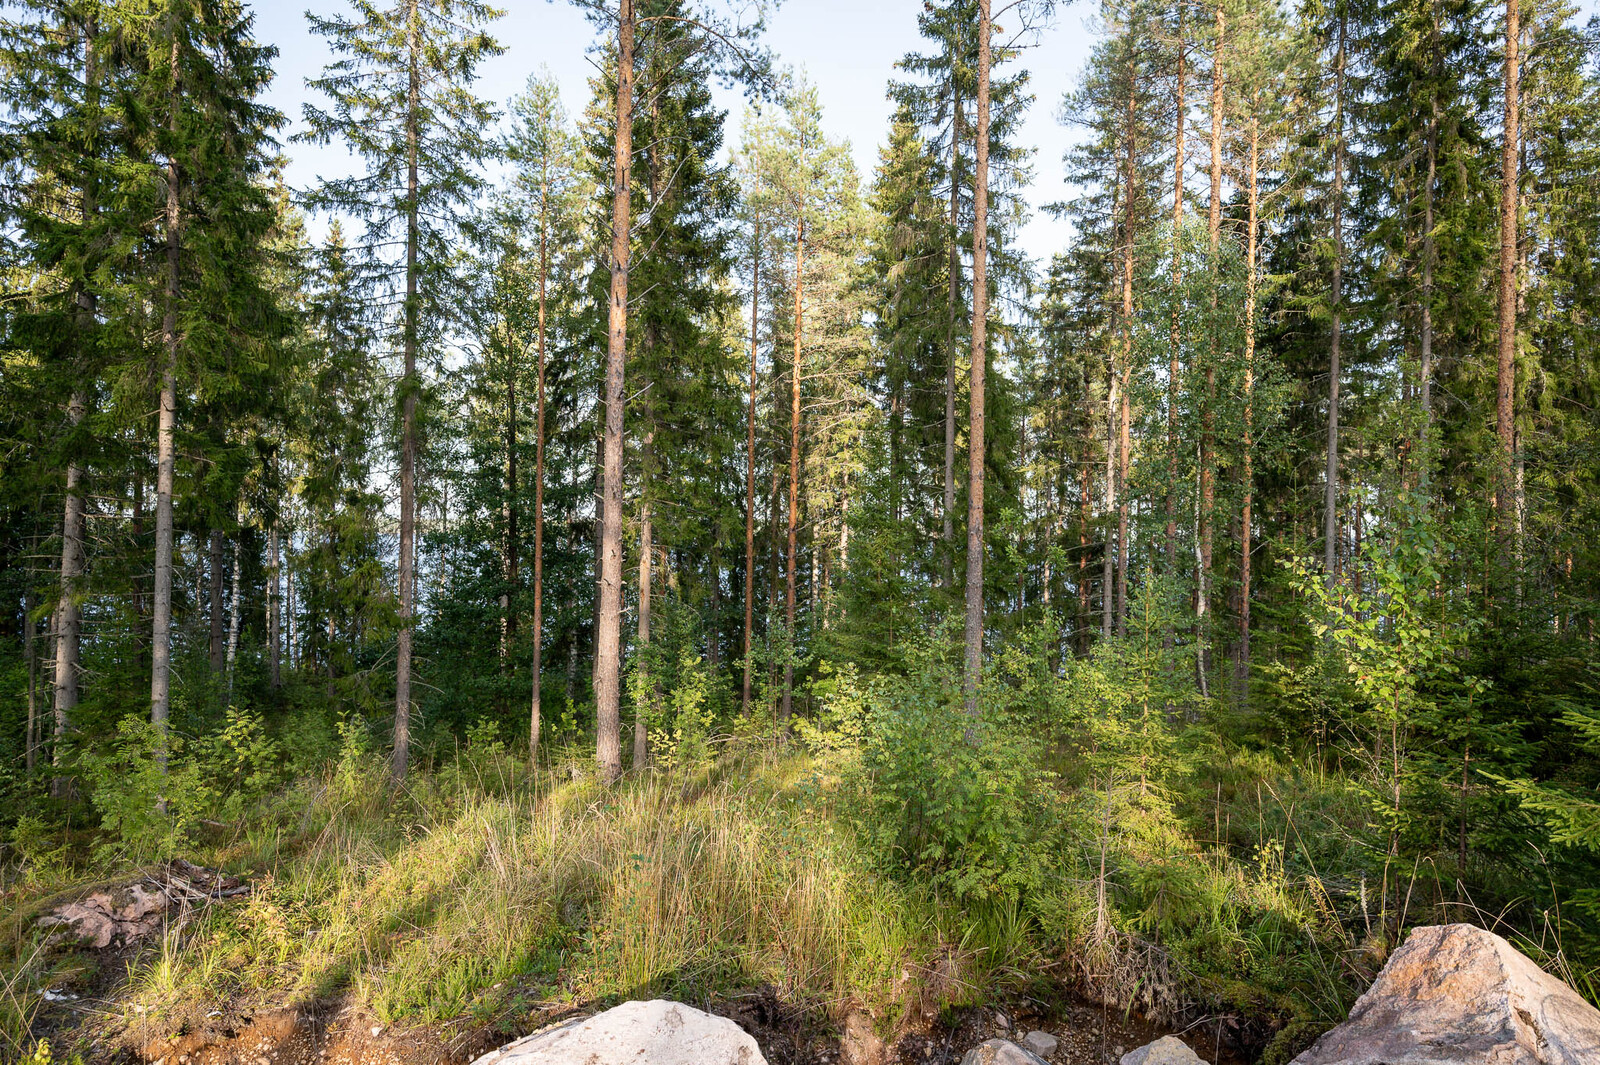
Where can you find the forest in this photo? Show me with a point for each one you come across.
(689, 563)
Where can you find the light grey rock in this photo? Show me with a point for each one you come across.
(1458, 995)
(658, 1032)
(1000, 1052)
(1168, 1050)
(1041, 1043)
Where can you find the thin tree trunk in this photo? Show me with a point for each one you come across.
(1109, 555)
(1505, 374)
(1121, 413)
(233, 618)
(166, 456)
(66, 612)
(534, 712)
(214, 562)
(510, 565)
(30, 653)
(608, 638)
(1330, 503)
(274, 621)
(408, 427)
(750, 476)
(1251, 247)
(794, 469)
(641, 751)
(1208, 488)
(1174, 362)
(947, 528)
(975, 431)
(1425, 371)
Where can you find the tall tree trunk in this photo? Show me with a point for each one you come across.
(1082, 642)
(1330, 502)
(794, 468)
(233, 618)
(66, 612)
(1252, 236)
(641, 751)
(1505, 374)
(409, 386)
(1208, 488)
(1425, 370)
(975, 431)
(510, 565)
(30, 654)
(534, 712)
(750, 476)
(1175, 341)
(1121, 430)
(166, 457)
(608, 638)
(947, 528)
(274, 607)
(214, 611)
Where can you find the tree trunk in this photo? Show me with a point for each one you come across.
(166, 456)
(750, 476)
(214, 562)
(975, 431)
(1121, 412)
(1251, 247)
(233, 618)
(408, 428)
(510, 568)
(66, 612)
(274, 621)
(1330, 503)
(1505, 374)
(641, 749)
(947, 529)
(794, 469)
(534, 712)
(1208, 488)
(608, 638)
(1175, 342)
(1425, 370)
(30, 654)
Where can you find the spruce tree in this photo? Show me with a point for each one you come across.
(399, 96)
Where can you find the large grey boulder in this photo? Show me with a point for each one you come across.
(1168, 1050)
(658, 1032)
(1000, 1052)
(1458, 995)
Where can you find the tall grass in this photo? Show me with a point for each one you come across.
(470, 894)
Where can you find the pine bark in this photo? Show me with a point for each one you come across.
(608, 637)
(536, 666)
(274, 608)
(975, 432)
(794, 469)
(947, 528)
(1252, 241)
(166, 455)
(750, 476)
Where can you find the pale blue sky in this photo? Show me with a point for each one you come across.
(847, 47)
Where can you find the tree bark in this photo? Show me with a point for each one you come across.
(750, 476)
(510, 565)
(166, 455)
(1505, 374)
(947, 528)
(535, 710)
(274, 621)
(66, 612)
(794, 468)
(641, 751)
(975, 432)
(608, 638)
(214, 563)
(1330, 503)
(1208, 416)
(1175, 345)
(1121, 412)
(1252, 235)
(408, 418)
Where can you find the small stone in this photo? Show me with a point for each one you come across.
(1168, 1050)
(1001, 1052)
(1002, 1020)
(1041, 1043)
(376, 1031)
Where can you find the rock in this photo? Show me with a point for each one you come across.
(659, 1032)
(1168, 1050)
(1041, 1043)
(1000, 1052)
(1458, 995)
(858, 1043)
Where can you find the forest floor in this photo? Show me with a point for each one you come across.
(428, 926)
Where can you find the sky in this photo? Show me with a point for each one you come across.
(848, 48)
